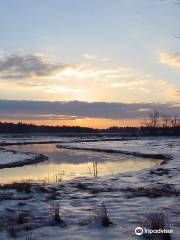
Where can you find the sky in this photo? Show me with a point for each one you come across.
(117, 53)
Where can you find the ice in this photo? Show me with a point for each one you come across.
(128, 197)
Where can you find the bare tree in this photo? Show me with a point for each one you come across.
(153, 120)
(174, 121)
(166, 121)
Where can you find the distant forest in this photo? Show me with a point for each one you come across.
(150, 129)
(32, 128)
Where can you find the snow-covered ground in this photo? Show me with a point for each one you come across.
(10, 158)
(28, 139)
(27, 210)
(149, 145)
(25, 139)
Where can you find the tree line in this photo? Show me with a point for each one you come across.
(155, 124)
(160, 124)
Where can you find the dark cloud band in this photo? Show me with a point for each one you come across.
(85, 109)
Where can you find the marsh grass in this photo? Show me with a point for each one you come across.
(29, 237)
(21, 218)
(56, 217)
(95, 169)
(24, 187)
(157, 221)
(103, 215)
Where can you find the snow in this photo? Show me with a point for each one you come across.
(161, 145)
(6, 139)
(128, 197)
(7, 157)
(11, 158)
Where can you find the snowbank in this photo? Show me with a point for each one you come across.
(10, 158)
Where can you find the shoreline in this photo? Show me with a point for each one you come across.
(78, 201)
(135, 154)
(37, 158)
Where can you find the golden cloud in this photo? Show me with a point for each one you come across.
(172, 59)
(42, 77)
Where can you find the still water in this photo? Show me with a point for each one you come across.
(65, 164)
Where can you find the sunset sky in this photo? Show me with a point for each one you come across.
(120, 54)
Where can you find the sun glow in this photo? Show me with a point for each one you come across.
(100, 123)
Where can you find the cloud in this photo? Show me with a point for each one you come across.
(76, 109)
(172, 59)
(39, 77)
(67, 90)
(20, 66)
(131, 84)
(37, 117)
(30, 71)
(88, 56)
(178, 92)
(148, 88)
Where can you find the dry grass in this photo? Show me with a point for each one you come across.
(29, 237)
(21, 218)
(56, 216)
(95, 169)
(157, 221)
(103, 215)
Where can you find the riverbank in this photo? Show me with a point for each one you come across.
(77, 207)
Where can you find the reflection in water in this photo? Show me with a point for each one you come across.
(64, 164)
